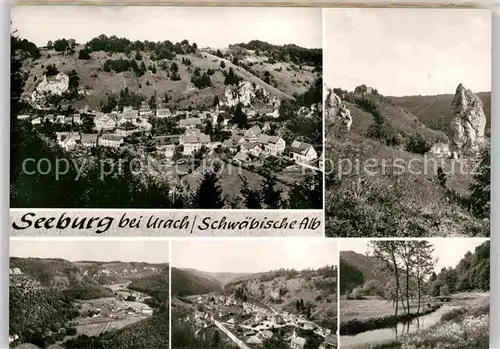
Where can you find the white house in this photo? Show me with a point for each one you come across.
(169, 151)
(60, 119)
(23, 117)
(145, 111)
(104, 122)
(297, 342)
(303, 152)
(69, 141)
(77, 119)
(273, 145)
(163, 113)
(36, 121)
(193, 141)
(110, 140)
(440, 150)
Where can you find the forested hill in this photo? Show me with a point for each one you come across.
(472, 273)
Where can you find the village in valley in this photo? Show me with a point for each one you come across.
(175, 122)
(275, 309)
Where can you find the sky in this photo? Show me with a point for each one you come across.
(215, 27)
(254, 256)
(408, 51)
(449, 251)
(96, 249)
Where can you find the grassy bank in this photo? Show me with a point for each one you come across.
(355, 326)
(463, 328)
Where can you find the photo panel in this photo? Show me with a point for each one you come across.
(432, 293)
(196, 108)
(407, 122)
(89, 293)
(262, 293)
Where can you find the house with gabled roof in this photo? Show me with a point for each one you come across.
(253, 133)
(302, 152)
(163, 113)
(253, 148)
(241, 158)
(104, 122)
(69, 141)
(273, 145)
(111, 140)
(193, 140)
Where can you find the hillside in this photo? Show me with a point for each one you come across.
(365, 264)
(188, 283)
(218, 277)
(165, 69)
(435, 111)
(60, 275)
(118, 272)
(282, 289)
(382, 181)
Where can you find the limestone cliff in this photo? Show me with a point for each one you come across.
(336, 111)
(468, 122)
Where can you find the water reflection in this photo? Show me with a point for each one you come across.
(388, 334)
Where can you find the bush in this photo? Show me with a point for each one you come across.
(83, 54)
(417, 144)
(71, 331)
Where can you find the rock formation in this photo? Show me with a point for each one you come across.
(468, 122)
(336, 111)
(246, 92)
(50, 86)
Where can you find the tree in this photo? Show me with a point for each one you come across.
(222, 64)
(50, 45)
(215, 103)
(424, 263)
(219, 54)
(239, 117)
(83, 54)
(386, 253)
(251, 197)
(174, 68)
(152, 102)
(441, 176)
(231, 78)
(271, 196)
(479, 200)
(209, 194)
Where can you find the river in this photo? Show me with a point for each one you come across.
(368, 338)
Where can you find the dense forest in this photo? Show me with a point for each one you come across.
(286, 53)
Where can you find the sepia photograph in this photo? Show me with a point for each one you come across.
(251, 294)
(416, 294)
(89, 293)
(166, 107)
(407, 122)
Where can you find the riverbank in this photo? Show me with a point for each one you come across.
(466, 327)
(355, 326)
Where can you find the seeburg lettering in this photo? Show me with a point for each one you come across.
(100, 224)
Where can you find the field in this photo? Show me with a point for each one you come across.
(370, 309)
(113, 315)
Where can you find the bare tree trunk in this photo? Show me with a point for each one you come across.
(419, 297)
(396, 274)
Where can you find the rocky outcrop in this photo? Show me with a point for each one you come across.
(468, 122)
(246, 92)
(336, 111)
(55, 85)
